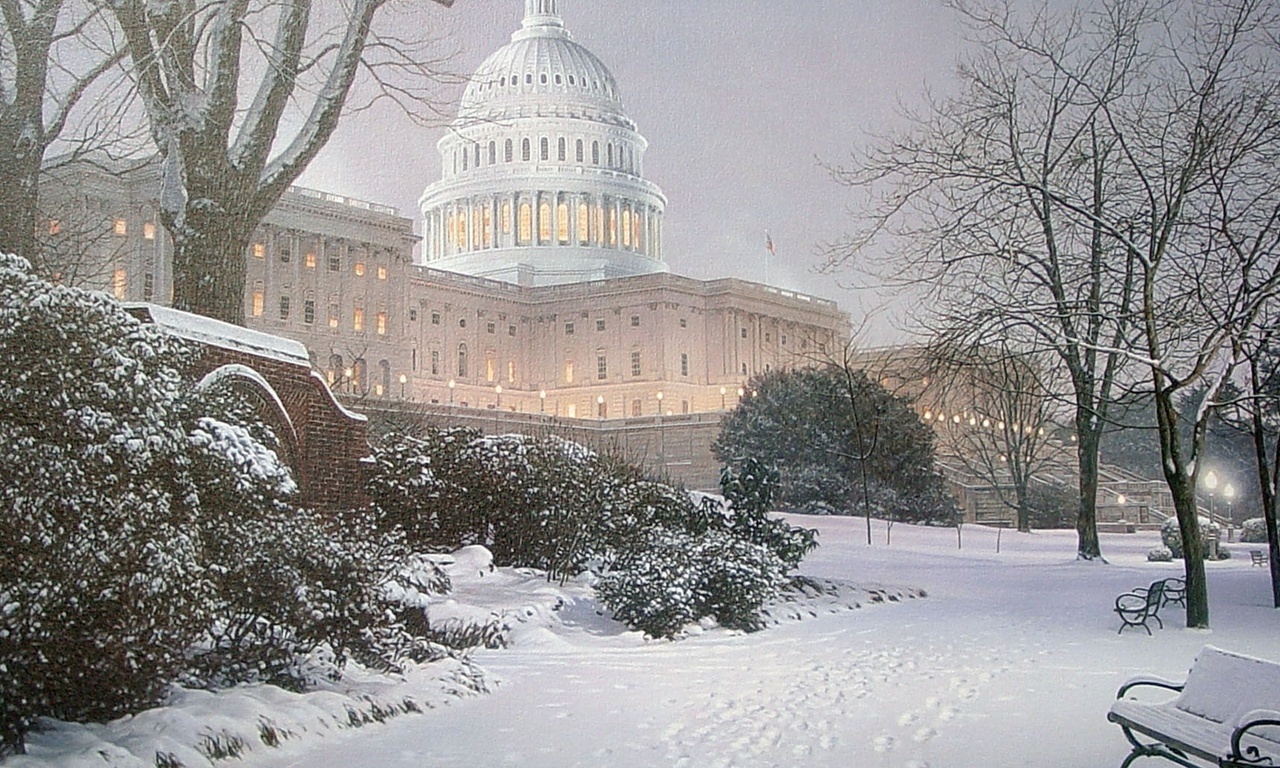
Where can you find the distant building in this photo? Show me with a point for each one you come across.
(540, 284)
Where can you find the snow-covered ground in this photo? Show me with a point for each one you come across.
(1011, 660)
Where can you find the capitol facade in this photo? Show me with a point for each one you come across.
(536, 282)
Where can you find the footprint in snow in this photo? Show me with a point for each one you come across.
(907, 718)
(883, 743)
(923, 735)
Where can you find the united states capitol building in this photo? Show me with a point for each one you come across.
(536, 281)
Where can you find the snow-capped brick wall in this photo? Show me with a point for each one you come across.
(324, 444)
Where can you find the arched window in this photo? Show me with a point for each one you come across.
(462, 360)
(488, 226)
(637, 231)
(613, 226)
(595, 153)
(360, 374)
(562, 149)
(584, 224)
(526, 223)
(383, 387)
(597, 224)
(528, 78)
(578, 150)
(462, 230)
(464, 159)
(626, 227)
(477, 155)
(544, 222)
(525, 150)
(506, 218)
(493, 153)
(509, 154)
(562, 223)
(610, 154)
(544, 149)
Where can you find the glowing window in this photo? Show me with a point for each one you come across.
(511, 372)
(526, 223)
(359, 269)
(506, 218)
(568, 372)
(626, 227)
(55, 226)
(258, 302)
(357, 320)
(120, 283)
(544, 222)
(382, 323)
(333, 315)
(597, 226)
(311, 259)
(382, 272)
(488, 227)
(613, 226)
(259, 251)
(462, 230)
(636, 229)
(148, 231)
(488, 368)
(121, 227)
(584, 223)
(562, 223)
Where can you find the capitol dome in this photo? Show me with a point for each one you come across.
(543, 169)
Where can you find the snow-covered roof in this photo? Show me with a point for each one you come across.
(225, 335)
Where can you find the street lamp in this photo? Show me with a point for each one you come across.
(403, 380)
(600, 407)
(1211, 483)
(722, 394)
(1229, 493)
(498, 391)
(542, 401)
(347, 373)
(659, 396)
(452, 384)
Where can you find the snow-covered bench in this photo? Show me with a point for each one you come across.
(1227, 714)
(1141, 605)
(1257, 557)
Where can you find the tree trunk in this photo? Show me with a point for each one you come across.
(18, 203)
(1088, 438)
(1182, 485)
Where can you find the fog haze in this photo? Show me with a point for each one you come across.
(741, 102)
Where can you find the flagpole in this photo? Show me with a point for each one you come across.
(768, 251)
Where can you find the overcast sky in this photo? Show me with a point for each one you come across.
(740, 101)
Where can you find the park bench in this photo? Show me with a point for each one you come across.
(1143, 604)
(1257, 557)
(1225, 714)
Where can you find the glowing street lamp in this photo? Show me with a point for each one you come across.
(600, 406)
(542, 401)
(452, 384)
(403, 380)
(1211, 484)
(498, 391)
(723, 391)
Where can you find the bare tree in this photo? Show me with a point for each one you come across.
(52, 52)
(1004, 440)
(224, 166)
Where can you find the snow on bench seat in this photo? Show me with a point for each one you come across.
(1224, 691)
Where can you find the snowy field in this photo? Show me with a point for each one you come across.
(1012, 660)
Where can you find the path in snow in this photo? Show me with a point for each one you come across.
(1012, 660)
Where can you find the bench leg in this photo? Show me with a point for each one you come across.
(1153, 750)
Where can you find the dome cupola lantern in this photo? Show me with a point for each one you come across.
(542, 178)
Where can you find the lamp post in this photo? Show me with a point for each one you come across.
(600, 407)
(662, 437)
(542, 401)
(452, 384)
(497, 391)
(1211, 484)
(722, 394)
(347, 374)
(403, 380)
(1229, 493)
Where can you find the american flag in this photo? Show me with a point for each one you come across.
(768, 244)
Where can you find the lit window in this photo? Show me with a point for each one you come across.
(55, 226)
(259, 251)
(489, 374)
(635, 364)
(333, 315)
(488, 227)
(568, 372)
(311, 260)
(506, 218)
(309, 311)
(562, 223)
(602, 367)
(511, 372)
(121, 227)
(258, 302)
(382, 323)
(584, 224)
(284, 307)
(573, 410)
(358, 319)
(382, 272)
(148, 231)
(613, 226)
(526, 223)
(544, 223)
(359, 269)
(626, 227)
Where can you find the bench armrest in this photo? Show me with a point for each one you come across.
(1148, 680)
(1254, 719)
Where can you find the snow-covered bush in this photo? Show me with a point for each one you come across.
(657, 589)
(749, 489)
(1171, 535)
(1160, 555)
(1254, 531)
(101, 588)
